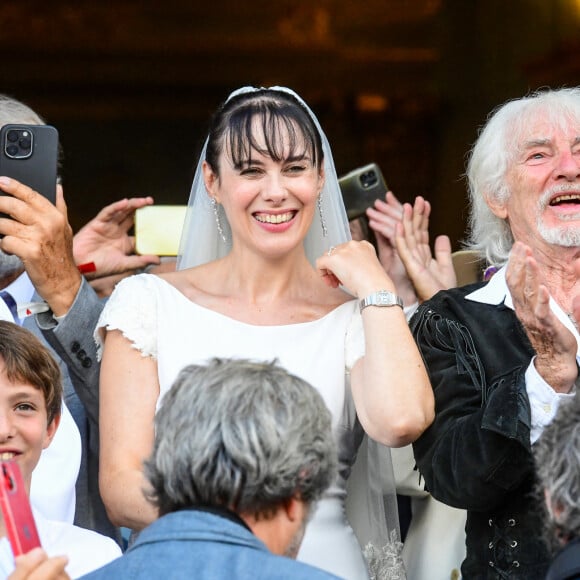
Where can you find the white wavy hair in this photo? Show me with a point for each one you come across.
(494, 152)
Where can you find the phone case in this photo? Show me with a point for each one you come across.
(158, 229)
(35, 166)
(361, 187)
(18, 518)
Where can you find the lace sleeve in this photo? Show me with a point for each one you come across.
(132, 309)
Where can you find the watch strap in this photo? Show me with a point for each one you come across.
(381, 298)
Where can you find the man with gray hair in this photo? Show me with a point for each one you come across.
(42, 289)
(242, 452)
(502, 355)
(557, 455)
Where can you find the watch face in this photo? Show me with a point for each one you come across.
(385, 299)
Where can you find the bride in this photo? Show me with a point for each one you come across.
(266, 271)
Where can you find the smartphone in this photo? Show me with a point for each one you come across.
(18, 518)
(360, 187)
(29, 153)
(158, 229)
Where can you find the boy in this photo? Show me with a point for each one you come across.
(30, 406)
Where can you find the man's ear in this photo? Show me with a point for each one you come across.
(210, 179)
(51, 431)
(295, 509)
(497, 206)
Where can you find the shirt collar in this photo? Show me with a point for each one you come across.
(494, 292)
(21, 289)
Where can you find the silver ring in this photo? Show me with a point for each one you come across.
(330, 250)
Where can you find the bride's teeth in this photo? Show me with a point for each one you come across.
(274, 219)
(6, 456)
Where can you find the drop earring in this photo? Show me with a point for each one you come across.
(218, 221)
(321, 213)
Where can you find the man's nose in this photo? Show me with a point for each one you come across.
(568, 166)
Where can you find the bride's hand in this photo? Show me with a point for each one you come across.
(355, 266)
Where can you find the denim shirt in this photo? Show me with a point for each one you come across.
(202, 545)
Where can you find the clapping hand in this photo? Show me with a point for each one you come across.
(428, 273)
(554, 344)
(383, 220)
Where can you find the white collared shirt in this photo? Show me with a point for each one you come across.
(85, 549)
(544, 401)
(52, 491)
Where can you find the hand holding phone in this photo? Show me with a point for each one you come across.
(29, 154)
(360, 187)
(18, 518)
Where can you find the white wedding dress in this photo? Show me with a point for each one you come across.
(161, 322)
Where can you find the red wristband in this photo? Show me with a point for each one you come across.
(87, 268)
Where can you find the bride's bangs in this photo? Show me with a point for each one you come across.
(278, 131)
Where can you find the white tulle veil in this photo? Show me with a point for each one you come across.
(372, 503)
(201, 241)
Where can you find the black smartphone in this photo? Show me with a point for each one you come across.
(29, 154)
(360, 187)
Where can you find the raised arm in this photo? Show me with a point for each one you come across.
(128, 391)
(391, 390)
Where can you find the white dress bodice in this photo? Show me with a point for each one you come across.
(163, 323)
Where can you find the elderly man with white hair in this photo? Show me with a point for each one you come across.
(502, 355)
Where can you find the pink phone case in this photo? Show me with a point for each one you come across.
(18, 518)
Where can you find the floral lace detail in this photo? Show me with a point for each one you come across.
(132, 309)
(386, 563)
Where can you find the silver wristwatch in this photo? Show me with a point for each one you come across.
(381, 298)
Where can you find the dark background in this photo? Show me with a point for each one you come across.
(131, 84)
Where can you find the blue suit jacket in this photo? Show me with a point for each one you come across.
(205, 546)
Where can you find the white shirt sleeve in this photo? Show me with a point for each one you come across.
(410, 310)
(544, 401)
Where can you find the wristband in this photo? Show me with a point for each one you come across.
(87, 268)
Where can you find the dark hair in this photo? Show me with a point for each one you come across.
(243, 435)
(26, 359)
(280, 115)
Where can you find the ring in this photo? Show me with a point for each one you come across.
(330, 250)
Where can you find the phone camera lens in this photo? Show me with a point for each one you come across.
(368, 179)
(24, 143)
(12, 150)
(12, 136)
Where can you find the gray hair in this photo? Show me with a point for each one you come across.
(13, 111)
(243, 435)
(557, 455)
(492, 155)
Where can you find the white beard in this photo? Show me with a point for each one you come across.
(567, 236)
